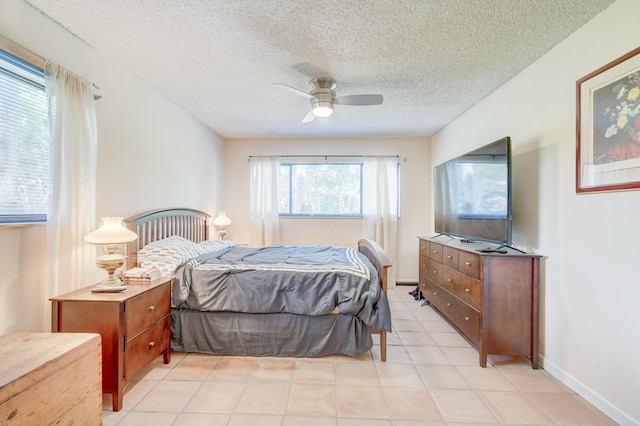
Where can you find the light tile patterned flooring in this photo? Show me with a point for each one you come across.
(431, 377)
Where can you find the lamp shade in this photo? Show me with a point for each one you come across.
(222, 219)
(111, 232)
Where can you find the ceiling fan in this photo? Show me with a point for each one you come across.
(323, 97)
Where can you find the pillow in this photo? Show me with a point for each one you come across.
(167, 254)
(209, 246)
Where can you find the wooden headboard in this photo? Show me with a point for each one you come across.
(162, 223)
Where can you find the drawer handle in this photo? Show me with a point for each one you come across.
(152, 307)
(449, 257)
(435, 293)
(449, 280)
(448, 304)
(467, 290)
(435, 251)
(467, 263)
(424, 248)
(466, 318)
(435, 271)
(152, 343)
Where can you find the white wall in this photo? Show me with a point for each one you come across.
(150, 155)
(415, 181)
(590, 285)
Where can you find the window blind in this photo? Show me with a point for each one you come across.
(24, 142)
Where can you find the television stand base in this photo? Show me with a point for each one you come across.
(500, 247)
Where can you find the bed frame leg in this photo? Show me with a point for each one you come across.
(383, 346)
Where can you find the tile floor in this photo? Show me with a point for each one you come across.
(431, 377)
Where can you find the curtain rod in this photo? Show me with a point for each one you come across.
(30, 56)
(322, 156)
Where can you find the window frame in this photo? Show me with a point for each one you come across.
(27, 62)
(337, 159)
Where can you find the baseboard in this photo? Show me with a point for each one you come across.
(587, 393)
(406, 282)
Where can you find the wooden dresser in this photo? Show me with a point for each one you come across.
(135, 326)
(491, 299)
(48, 379)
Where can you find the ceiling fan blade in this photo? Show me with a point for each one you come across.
(358, 100)
(309, 117)
(293, 90)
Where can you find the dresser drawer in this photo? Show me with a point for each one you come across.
(147, 308)
(455, 310)
(146, 346)
(450, 257)
(469, 264)
(465, 318)
(464, 287)
(432, 292)
(431, 269)
(425, 247)
(435, 252)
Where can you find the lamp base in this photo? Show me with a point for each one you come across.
(111, 284)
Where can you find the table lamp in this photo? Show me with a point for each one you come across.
(110, 236)
(221, 222)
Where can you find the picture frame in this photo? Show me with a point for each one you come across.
(608, 126)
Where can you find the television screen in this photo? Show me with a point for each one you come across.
(472, 194)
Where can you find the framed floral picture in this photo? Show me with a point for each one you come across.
(608, 126)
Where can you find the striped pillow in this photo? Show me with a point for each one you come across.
(167, 254)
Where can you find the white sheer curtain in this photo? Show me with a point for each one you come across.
(70, 261)
(265, 222)
(380, 205)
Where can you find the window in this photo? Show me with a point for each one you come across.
(24, 142)
(327, 189)
(320, 189)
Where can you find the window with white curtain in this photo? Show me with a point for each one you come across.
(24, 142)
(330, 188)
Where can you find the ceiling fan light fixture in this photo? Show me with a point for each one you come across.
(323, 97)
(323, 109)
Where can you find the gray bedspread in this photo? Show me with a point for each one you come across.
(228, 333)
(303, 280)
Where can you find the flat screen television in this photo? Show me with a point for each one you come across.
(472, 194)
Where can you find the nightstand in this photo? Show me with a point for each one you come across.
(135, 326)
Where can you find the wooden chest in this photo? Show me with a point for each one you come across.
(50, 379)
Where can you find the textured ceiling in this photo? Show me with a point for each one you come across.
(218, 59)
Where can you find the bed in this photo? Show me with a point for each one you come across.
(300, 301)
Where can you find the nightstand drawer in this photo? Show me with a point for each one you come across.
(147, 308)
(146, 346)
